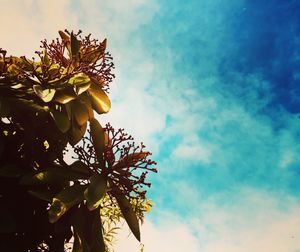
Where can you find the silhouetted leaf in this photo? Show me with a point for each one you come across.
(64, 36)
(95, 191)
(64, 200)
(74, 45)
(129, 214)
(80, 167)
(100, 100)
(42, 194)
(97, 133)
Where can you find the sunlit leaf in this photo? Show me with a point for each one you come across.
(97, 133)
(81, 88)
(129, 214)
(61, 120)
(64, 200)
(79, 79)
(46, 94)
(95, 191)
(88, 104)
(80, 112)
(64, 96)
(100, 100)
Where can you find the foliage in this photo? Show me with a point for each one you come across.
(45, 105)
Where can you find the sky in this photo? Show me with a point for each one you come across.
(212, 88)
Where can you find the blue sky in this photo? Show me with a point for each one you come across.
(212, 88)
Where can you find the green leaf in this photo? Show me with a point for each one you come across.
(95, 191)
(100, 100)
(51, 176)
(129, 214)
(80, 112)
(98, 137)
(11, 171)
(43, 194)
(76, 133)
(74, 45)
(61, 120)
(46, 94)
(80, 167)
(65, 95)
(79, 79)
(81, 88)
(88, 104)
(64, 200)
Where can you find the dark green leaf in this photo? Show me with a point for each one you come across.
(95, 191)
(74, 45)
(80, 167)
(64, 96)
(61, 120)
(11, 171)
(129, 214)
(43, 194)
(76, 133)
(64, 200)
(97, 133)
(80, 112)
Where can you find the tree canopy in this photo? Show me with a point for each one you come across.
(49, 106)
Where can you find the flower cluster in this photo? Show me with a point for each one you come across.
(126, 164)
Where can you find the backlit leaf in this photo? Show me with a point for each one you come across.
(80, 167)
(64, 36)
(79, 79)
(129, 214)
(95, 191)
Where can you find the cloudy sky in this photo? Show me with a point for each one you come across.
(212, 88)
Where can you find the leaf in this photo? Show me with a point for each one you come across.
(88, 226)
(129, 214)
(61, 120)
(51, 176)
(64, 200)
(97, 133)
(46, 94)
(4, 108)
(80, 112)
(130, 160)
(95, 191)
(64, 36)
(76, 133)
(74, 45)
(79, 79)
(11, 171)
(81, 88)
(64, 96)
(42, 194)
(80, 167)
(100, 100)
(88, 104)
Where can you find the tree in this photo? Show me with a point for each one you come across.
(47, 105)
